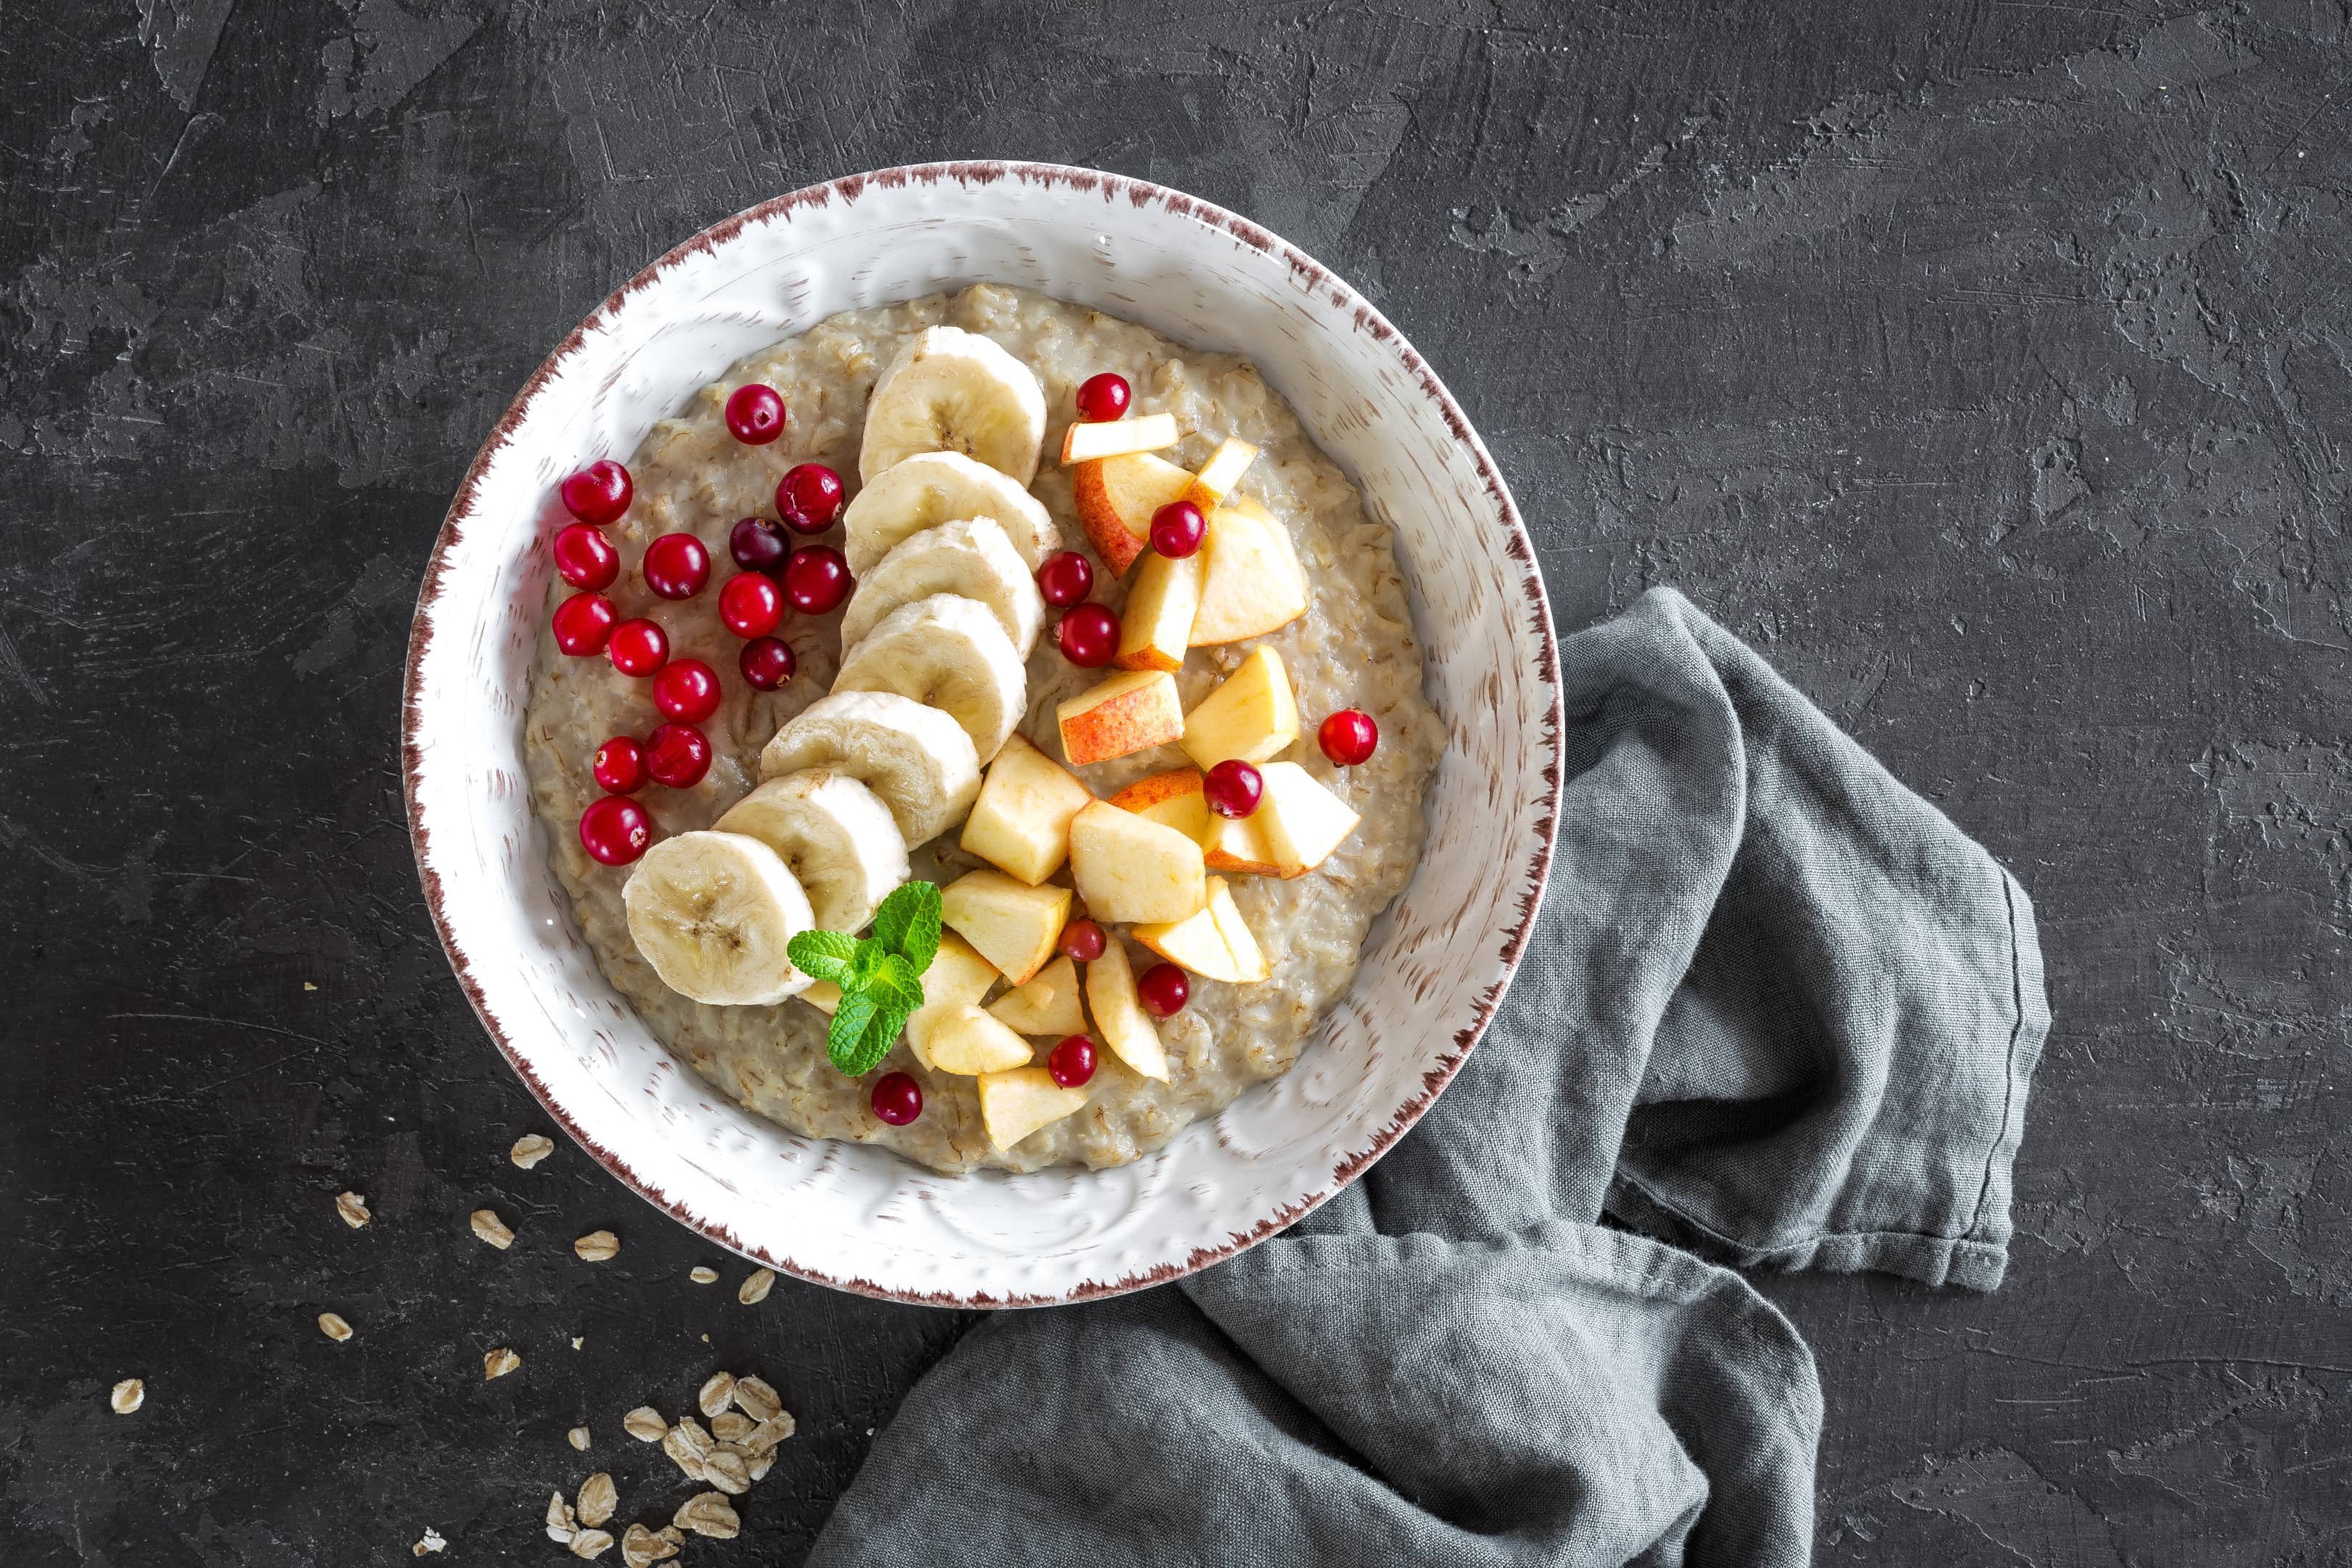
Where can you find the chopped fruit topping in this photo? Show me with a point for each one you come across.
(1073, 1062)
(898, 1099)
(808, 497)
(598, 493)
(1253, 716)
(678, 755)
(582, 623)
(620, 767)
(1164, 990)
(1084, 940)
(1084, 442)
(1104, 396)
(758, 545)
(1127, 713)
(1176, 530)
(1064, 578)
(615, 830)
(755, 415)
(1117, 498)
(767, 663)
(817, 579)
(1254, 584)
(751, 604)
(585, 558)
(688, 690)
(638, 647)
(1348, 737)
(1233, 786)
(1010, 923)
(1089, 636)
(1020, 822)
(1155, 627)
(1127, 867)
(677, 566)
(1221, 473)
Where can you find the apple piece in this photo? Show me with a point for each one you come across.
(1048, 1005)
(1129, 868)
(1219, 474)
(964, 1039)
(1249, 959)
(1304, 821)
(1010, 923)
(1253, 583)
(1238, 844)
(1020, 822)
(1119, 1012)
(1132, 712)
(1173, 799)
(1251, 716)
(958, 974)
(1088, 440)
(1116, 498)
(1016, 1103)
(1156, 628)
(1195, 943)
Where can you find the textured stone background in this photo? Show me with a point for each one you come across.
(1986, 364)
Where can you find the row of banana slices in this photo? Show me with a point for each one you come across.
(944, 539)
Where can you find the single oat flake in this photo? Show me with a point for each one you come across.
(333, 1325)
(732, 1427)
(578, 1438)
(724, 1468)
(704, 1275)
(641, 1548)
(560, 1525)
(645, 1425)
(128, 1395)
(717, 1393)
(709, 1514)
(432, 1542)
(531, 1149)
(598, 1497)
(590, 1543)
(597, 1245)
(499, 1362)
(754, 1397)
(755, 1288)
(492, 1229)
(353, 1208)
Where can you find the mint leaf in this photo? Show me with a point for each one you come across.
(895, 985)
(867, 958)
(822, 953)
(881, 1033)
(844, 1041)
(908, 924)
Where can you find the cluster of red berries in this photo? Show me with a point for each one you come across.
(813, 579)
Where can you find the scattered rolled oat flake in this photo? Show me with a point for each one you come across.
(732, 1427)
(725, 1468)
(499, 1362)
(333, 1325)
(717, 1393)
(645, 1425)
(759, 1467)
(708, 1514)
(531, 1149)
(577, 1342)
(672, 1533)
(771, 1432)
(756, 1398)
(641, 1548)
(755, 1288)
(590, 1543)
(432, 1542)
(597, 1245)
(313, 985)
(687, 1444)
(353, 1208)
(578, 1438)
(492, 1229)
(704, 1275)
(560, 1525)
(598, 1497)
(128, 1395)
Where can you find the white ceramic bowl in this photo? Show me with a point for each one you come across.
(857, 1218)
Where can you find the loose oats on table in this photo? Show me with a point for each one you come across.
(353, 1208)
(755, 1289)
(717, 1393)
(431, 1542)
(333, 1325)
(597, 1245)
(598, 1497)
(560, 1525)
(756, 1399)
(128, 1395)
(492, 1229)
(645, 1425)
(590, 1543)
(578, 1438)
(531, 1149)
(732, 1427)
(642, 1548)
(725, 1468)
(499, 1362)
(709, 1514)
(703, 1275)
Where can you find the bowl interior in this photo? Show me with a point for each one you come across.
(859, 1218)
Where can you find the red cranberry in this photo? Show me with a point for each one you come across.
(1064, 578)
(1176, 530)
(1349, 736)
(755, 415)
(1104, 396)
(751, 604)
(1164, 990)
(584, 557)
(1089, 636)
(620, 767)
(678, 755)
(638, 647)
(677, 566)
(1084, 940)
(808, 497)
(898, 1099)
(686, 690)
(615, 830)
(599, 493)
(758, 545)
(582, 623)
(817, 579)
(766, 663)
(1233, 788)
(1073, 1062)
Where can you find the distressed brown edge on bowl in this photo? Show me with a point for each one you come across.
(1322, 284)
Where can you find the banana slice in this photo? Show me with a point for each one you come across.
(933, 488)
(712, 912)
(947, 652)
(953, 391)
(917, 759)
(971, 557)
(834, 834)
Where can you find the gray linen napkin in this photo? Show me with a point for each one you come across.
(1777, 1009)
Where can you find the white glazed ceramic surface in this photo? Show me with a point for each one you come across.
(857, 1218)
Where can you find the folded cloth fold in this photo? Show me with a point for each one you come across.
(1777, 1009)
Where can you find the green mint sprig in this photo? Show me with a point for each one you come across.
(880, 975)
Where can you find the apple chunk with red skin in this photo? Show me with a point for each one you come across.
(1132, 712)
(1116, 498)
(1176, 799)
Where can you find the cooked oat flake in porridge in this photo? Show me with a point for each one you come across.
(1165, 762)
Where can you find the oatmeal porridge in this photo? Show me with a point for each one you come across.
(1350, 655)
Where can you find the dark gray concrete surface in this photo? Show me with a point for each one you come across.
(1985, 364)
